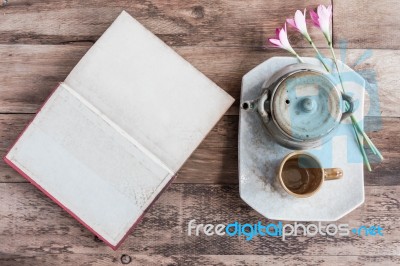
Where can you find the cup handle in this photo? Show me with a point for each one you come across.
(333, 173)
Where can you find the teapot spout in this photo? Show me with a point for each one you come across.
(260, 105)
(250, 105)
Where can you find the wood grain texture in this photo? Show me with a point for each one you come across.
(367, 24)
(178, 23)
(163, 231)
(217, 260)
(41, 41)
(216, 159)
(28, 73)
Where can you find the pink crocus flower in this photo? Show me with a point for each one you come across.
(281, 40)
(299, 23)
(322, 19)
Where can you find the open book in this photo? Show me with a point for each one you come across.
(113, 135)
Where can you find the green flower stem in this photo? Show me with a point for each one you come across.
(359, 142)
(298, 57)
(358, 127)
(318, 54)
(336, 65)
(353, 119)
(372, 146)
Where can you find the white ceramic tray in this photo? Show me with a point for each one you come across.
(259, 157)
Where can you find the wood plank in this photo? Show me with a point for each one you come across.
(265, 260)
(218, 153)
(34, 226)
(367, 24)
(187, 23)
(220, 260)
(28, 73)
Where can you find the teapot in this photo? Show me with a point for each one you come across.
(301, 106)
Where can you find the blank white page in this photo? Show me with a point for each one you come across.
(85, 164)
(149, 91)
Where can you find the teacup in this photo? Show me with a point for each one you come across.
(301, 174)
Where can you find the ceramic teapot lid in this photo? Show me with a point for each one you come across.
(306, 105)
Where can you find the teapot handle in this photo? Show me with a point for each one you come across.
(349, 100)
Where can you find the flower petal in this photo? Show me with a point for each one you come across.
(275, 42)
(320, 10)
(284, 40)
(291, 22)
(330, 9)
(314, 18)
(324, 19)
(277, 30)
(300, 21)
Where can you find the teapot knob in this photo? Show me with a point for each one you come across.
(308, 104)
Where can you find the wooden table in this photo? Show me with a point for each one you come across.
(40, 42)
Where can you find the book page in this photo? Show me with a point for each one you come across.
(149, 91)
(87, 166)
